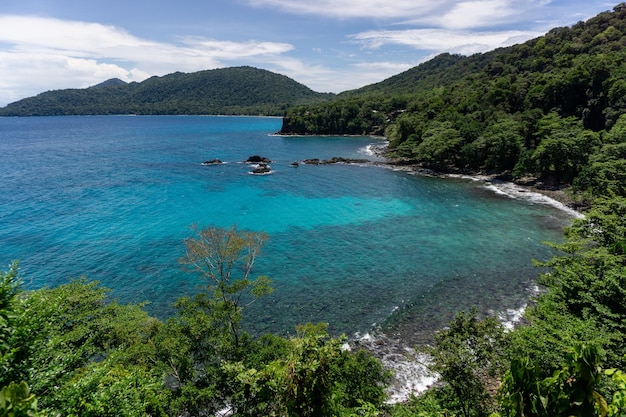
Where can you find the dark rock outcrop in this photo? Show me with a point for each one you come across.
(261, 169)
(256, 159)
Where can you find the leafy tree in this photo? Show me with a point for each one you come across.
(16, 400)
(468, 356)
(110, 388)
(61, 332)
(617, 407)
(498, 148)
(571, 391)
(9, 288)
(224, 258)
(440, 144)
(206, 330)
(427, 404)
(605, 175)
(316, 377)
(564, 147)
(582, 308)
(588, 281)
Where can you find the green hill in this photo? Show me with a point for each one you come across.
(237, 90)
(543, 108)
(444, 69)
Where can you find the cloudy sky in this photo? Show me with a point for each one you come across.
(328, 45)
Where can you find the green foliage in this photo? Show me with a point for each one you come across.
(316, 377)
(111, 389)
(617, 408)
(555, 360)
(61, 331)
(218, 255)
(588, 282)
(564, 147)
(439, 145)
(468, 356)
(9, 288)
(605, 175)
(498, 148)
(16, 400)
(350, 116)
(570, 391)
(428, 404)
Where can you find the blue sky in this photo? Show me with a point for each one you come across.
(328, 45)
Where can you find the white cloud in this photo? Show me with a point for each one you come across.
(336, 80)
(345, 9)
(479, 13)
(442, 40)
(442, 13)
(40, 54)
(235, 50)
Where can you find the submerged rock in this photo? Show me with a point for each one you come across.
(335, 160)
(212, 162)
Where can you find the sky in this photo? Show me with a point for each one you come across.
(327, 45)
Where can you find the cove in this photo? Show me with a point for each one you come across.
(355, 245)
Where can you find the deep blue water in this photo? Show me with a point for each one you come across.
(113, 197)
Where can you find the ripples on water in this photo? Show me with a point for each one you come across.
(358, 247)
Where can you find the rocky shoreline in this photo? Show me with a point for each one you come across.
(557, 192)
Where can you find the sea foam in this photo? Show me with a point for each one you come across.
(409, 368)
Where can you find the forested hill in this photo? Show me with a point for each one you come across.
(543, 108)
(442, 70)
(236, 90)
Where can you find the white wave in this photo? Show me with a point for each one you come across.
(366, 150)
(518, 192)
(515, 191)
(410, 373)
(374, 150)
(511, 317)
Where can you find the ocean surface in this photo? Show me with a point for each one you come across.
(357, 246)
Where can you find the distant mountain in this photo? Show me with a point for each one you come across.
(226, 91)
(113, 82)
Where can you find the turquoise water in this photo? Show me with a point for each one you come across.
(112, 198)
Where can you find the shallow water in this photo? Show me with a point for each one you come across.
(357, 246)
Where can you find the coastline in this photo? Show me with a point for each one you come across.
(409, 367)
(523, 188)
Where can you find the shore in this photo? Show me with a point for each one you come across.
(409, 367)
(524, 188)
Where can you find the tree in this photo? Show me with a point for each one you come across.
(206, 332)
(224, 258)
(468, 356)
(569, 392)
(16, 400)
(66, 340)
(564, 147)
(315, 377)
(9, 288)
(439, 146)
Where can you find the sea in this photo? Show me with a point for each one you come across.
(362, 247)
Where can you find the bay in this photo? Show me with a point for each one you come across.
(358, 246)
